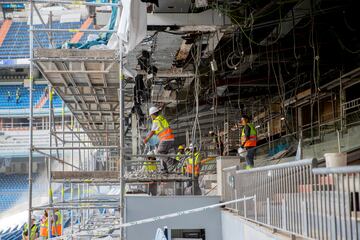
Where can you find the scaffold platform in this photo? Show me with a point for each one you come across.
(112, 177)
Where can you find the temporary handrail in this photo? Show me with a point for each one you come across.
(310, 161)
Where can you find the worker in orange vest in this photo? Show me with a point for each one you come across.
(162, 129)
(193, 160)
(44, 224)
(248, 140)
(56, 224)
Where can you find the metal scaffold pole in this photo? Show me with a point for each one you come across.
(31, 74)
(121, 138)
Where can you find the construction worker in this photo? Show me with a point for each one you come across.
(8, 96)
(44, 224)
(248, 140)
(34, 233)
(150, 167)
(180, 155)
(161, 128)
(193, 154)
(56, 223)
(17, 96)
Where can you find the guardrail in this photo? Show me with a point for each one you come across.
(281, 197)
(298, 198)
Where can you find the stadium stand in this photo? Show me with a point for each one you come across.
(12, 187)
(16, 43)
(24, 97)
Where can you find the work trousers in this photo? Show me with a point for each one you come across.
(250, 155)
(166, 147)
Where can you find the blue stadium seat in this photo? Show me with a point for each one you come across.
(24, 99)
(16, 43)
(12, 188)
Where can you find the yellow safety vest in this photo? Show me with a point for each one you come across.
(57, 228)
(252, 140)
(189, 164)
(164, 131)
(150, 166)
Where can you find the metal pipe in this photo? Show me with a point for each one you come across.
(31, 75)
(71, 30)
(75, 3)
(121, 142)
(55, 158)
(76, 148)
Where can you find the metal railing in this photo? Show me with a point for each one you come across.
(338, 202)
(298, 198)
(281, 197)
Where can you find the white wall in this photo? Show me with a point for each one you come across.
(235, 228)
(140, 207)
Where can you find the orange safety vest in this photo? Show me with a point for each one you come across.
(56, 229)
(189, 164)
(44, 228)
(252, 140)
(164, 132)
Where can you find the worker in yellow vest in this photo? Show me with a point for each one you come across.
(151, 167)
(161, 128)
(248, 140)
(189, 161)
(44, 224)
(34, 232)
(193, 162)
(56, 224)
(181, 153)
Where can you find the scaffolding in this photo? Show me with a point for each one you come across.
(91, 85)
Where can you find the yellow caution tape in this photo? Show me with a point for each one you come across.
(73, 30)
(50, 193)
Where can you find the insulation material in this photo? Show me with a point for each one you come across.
(132, 26)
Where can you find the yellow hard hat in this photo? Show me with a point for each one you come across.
(180, 147)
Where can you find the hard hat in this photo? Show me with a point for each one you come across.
(150, 154)
(33, 217)
(192, 146)
(153, 110)
(181, 147)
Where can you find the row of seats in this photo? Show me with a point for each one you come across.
(12, 188)
(16, 44)
(7, 102)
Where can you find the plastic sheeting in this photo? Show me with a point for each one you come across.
(103, 38)
(132, 26)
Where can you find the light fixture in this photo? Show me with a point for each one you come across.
(282, 118)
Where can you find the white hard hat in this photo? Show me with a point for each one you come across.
(192, 146)
(150, 154)
(153, 110)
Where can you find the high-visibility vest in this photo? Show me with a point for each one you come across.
(179, 156)
(32, 233)
(251, 141)
(44, 224)
(56, 229)
(164, 132)
(150, 166)
(189, 164)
